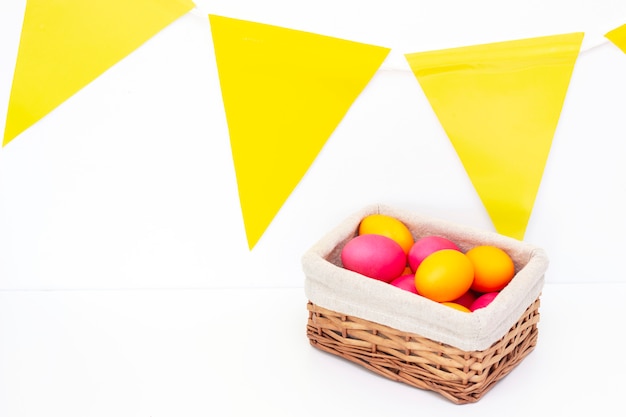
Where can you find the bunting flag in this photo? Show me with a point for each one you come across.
(499, 105)
(64, 45)
(284, 92)
(618, 37)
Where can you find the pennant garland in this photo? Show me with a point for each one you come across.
(284, 93)
(500, 104)
(65, 45)
(618, 37)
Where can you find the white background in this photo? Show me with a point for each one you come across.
(126, 284)
(130, 183)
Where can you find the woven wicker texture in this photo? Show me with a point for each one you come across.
(460, 376)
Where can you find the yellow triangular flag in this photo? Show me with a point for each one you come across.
(618, 37)
(284, 93)
(500, 104)
(65, 45)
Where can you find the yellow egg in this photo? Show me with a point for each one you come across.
(444, 275)
(457, 306)
(493, 268)
(382, 224)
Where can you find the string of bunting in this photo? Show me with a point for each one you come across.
(498, 103)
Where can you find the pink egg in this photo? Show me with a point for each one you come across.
(466, 299)
(405, 282)
(484, 300)
(425, 246)
(374, 256)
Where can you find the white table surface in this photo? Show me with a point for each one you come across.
(227, 352)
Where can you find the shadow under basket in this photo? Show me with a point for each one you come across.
(460, 376)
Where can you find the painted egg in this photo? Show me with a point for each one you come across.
(493, 268)
(405, 282)
(374, 256)
(466, 299)
(425, 246)
(382, 224)
(444, 275)
(456, 306)
(484, 300)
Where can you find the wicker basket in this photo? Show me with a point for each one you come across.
(407, 338)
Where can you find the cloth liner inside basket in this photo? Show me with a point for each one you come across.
(330, 286)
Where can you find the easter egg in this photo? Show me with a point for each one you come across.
(483, 301)
(374, 256)
(457, 306)
(444, 275)
(466, 299)
(425, 246)
(382, 224)
(493, 268)
(405, 282)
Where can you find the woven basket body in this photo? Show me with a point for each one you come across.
(408, 338)
(460, 376)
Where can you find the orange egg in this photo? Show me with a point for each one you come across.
(457, 306)
(444, 275)
(382, 224)
(407, 270)
(493, 268)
